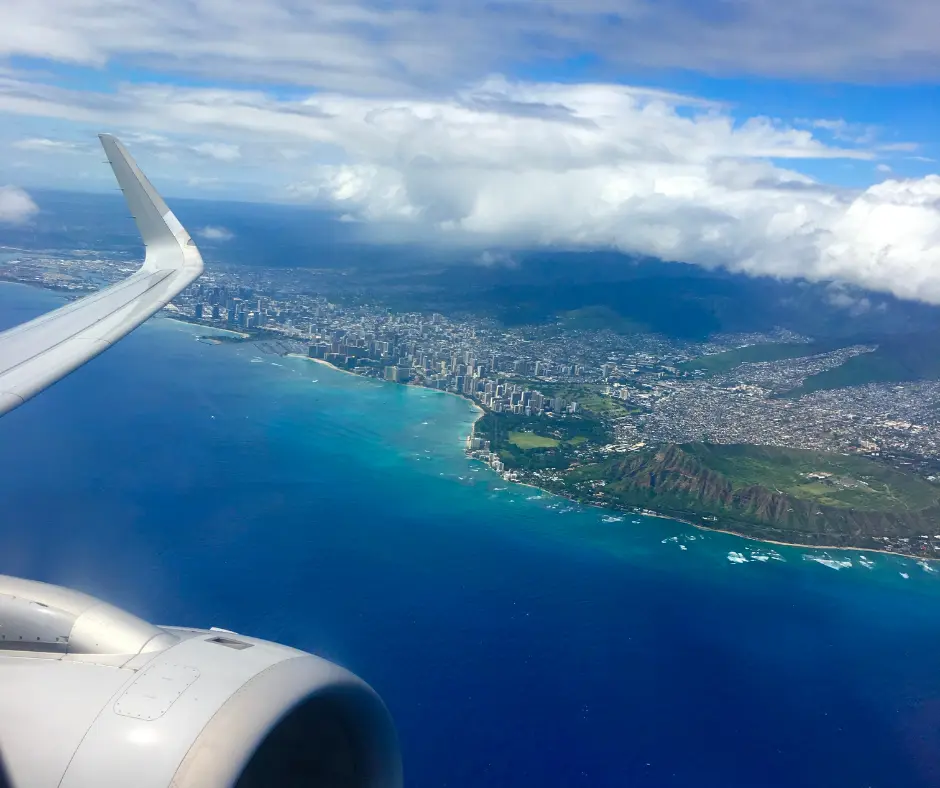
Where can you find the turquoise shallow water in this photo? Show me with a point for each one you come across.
(519, 641)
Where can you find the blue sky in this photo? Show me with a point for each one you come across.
(795, 139)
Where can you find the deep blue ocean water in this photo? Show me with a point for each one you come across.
(516, 644)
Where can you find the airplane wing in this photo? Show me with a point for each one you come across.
(95, 697)
(36, 354)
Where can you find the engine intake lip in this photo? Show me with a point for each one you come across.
(302, 721)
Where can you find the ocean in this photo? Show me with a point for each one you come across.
(518, 640)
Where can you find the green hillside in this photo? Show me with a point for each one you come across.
(896, 360)
(717, 363)
(770, 493)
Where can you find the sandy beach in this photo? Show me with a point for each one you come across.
(208, 328)
(324, 363)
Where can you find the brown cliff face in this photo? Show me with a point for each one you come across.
(674, 480)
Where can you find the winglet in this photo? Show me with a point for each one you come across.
(164, 236)
(36, 354)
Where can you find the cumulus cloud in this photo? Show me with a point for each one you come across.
(638, 175)
(16, 206)
(45, 145)
(756, 219)
(844, 297)
(220, 151)
(497, 259)
(506, 163)
(211, 233)
(862, 134)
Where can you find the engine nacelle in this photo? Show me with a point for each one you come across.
(94, 697)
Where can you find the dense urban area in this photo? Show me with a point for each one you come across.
(556, 401)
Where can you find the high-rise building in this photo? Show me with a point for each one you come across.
(398, 374)
(198, 311)
(215, 312)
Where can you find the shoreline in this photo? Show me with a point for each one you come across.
(203, 325)
(701, 527)
(324, 363)
(813, 547)
(480, 413)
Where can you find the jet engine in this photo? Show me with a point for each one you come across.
(94, 697)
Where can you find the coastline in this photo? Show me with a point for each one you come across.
(701, 527)
(808, 546)
(324, 363)
(480, 412)
(203, 325)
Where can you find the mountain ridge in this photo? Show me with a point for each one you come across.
(844, 502)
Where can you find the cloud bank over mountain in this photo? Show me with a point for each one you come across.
(382, 115)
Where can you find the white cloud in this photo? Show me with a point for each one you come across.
(45, 145)
(497, 259)
(357, 45)
(219, 151)
(16, 206)
(508, 163)
(211, 233)
(848, 132)
(843, 297)
(899, 147)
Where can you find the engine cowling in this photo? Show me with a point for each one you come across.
(94, 696)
